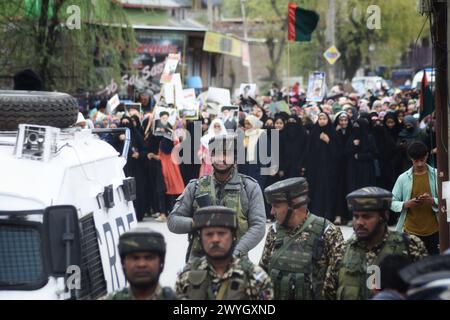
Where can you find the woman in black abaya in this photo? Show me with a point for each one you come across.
(135, 166)
(321, 167)
(361, 152)
(342, 124)
(386, 150)
(297, 145)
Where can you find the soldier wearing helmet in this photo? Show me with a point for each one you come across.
(142, 252)
(356, 276)
(300, 247)
(225, 187)
(219, 275)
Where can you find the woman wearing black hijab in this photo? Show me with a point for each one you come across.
(156, 190)
(283, 147)
(390, 122)
(343, 126)
(278, 124)
(386, 150)
(297, 144)
(361, 152)
(321, 167)
(137, 153)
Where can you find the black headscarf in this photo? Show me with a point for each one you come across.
(317, 130)
(138, 123)
(396, 129)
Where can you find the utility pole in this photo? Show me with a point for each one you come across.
(210, 15)
(441, 33)
(244, 22)
(330, 36)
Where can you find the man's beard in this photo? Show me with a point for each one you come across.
(380, 226)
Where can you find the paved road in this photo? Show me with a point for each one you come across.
(177, 246)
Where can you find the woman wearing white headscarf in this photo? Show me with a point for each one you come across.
(253, 132)
(216, 128)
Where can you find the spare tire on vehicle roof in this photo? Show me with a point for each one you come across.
(54, 109)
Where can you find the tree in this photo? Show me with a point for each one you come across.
(363, 43)
(72, 44)
(360, 43)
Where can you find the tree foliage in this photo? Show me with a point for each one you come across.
(400, 26)
(37, 35)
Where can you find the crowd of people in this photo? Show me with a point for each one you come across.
(345, 143)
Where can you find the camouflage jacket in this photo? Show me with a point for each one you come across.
(333, 248)
(257, 287)
(165, 293)
(416, 250)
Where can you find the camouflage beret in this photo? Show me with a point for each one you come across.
(141, 239)
(293, 187)
(369, 199)
(215, 216)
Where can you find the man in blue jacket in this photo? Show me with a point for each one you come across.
(415, 196)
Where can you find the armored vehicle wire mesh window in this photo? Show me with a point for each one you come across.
(20, 256)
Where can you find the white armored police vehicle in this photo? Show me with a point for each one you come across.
(64, 201)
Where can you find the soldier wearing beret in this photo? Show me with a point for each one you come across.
(142, 252)
(219, 275)
(356, 276)
(300, 247)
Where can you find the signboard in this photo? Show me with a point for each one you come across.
(280, 106)
(220, 43)
(316, 87)
(219, 95)
(153, 49)
(173, 91)
(164, 121)
(247, 90)
(230, 117)
(189, 107)
(332, 55)
(113, 103)
(170, 67)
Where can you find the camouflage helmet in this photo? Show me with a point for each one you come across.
(224, 143)
(215, 216)
(141, 239)
(369, 199)
(288, 190)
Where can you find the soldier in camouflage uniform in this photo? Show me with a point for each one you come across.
(354, 277)
(300, 247)
(142, 252)
(225, 187)
(219, 275)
